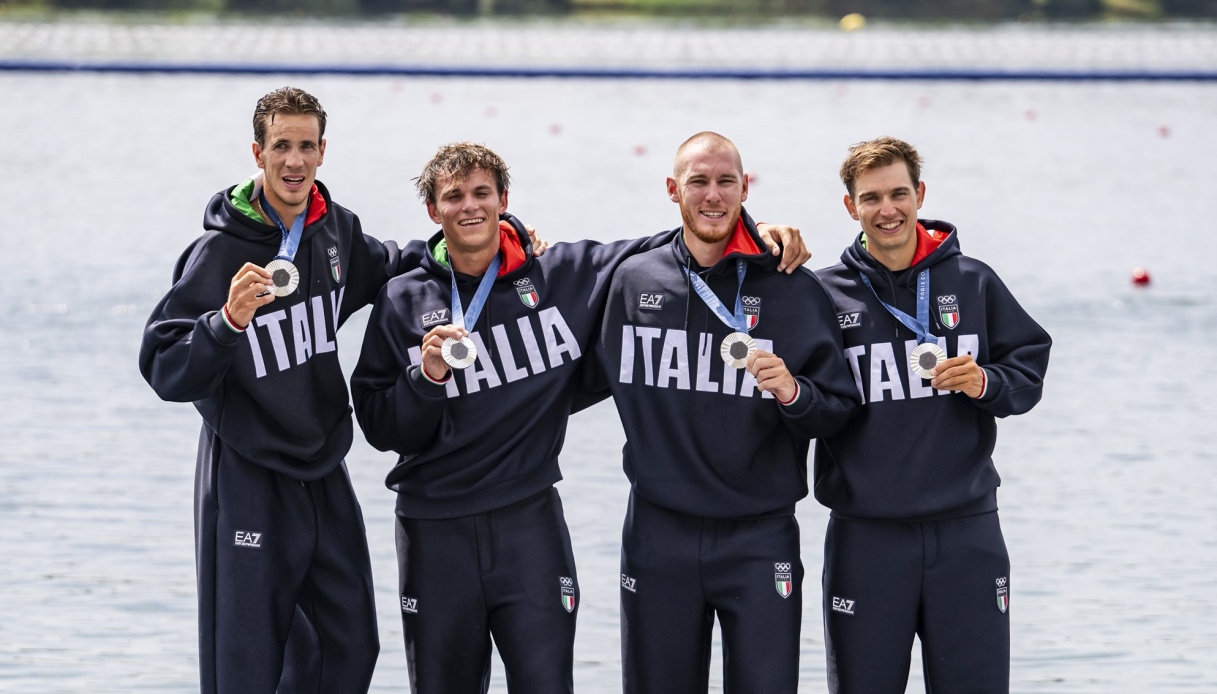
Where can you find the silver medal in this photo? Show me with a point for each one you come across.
(736, 349)
(284, 275)
(459, 354)
(926, 357)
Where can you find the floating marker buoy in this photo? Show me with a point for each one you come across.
(751, 176)
(640, 150)
(1140, 277)
(1164, 130)
(852, 22)
(436, 97)
(1031, 114)
(491, 111)
(555, 129)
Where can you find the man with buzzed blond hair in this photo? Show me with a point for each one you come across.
(722, 371)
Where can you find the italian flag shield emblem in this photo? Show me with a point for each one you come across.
(783, 584)
(568, 593)
(528, 293)
(949, 315)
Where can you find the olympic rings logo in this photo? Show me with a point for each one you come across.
(1001, 581)
(782, 567)
(946, 299)
(521, 283)
(566, 581)
(751, 300)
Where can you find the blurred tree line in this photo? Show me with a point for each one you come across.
(991, 10)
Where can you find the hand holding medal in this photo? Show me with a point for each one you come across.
(247, 292)
(435, 365)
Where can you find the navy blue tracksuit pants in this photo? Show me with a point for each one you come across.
(277, 556)
(679, 571)
(507, 573)
(946, 581)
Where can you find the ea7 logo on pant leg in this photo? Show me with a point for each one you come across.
(629, 583)
(782, 579)
(842, 605)
(409, 605)
(568, 593)
(1003, 595)
(247, 539)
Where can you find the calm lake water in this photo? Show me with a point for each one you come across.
(1109, 495)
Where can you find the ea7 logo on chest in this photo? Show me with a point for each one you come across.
(850, 320)
(650, 301)
(247, 539)
(436, 317)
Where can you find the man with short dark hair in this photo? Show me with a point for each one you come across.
(248, 333)
(722, 371)
(939, 349)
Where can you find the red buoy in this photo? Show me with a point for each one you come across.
(1140, 277)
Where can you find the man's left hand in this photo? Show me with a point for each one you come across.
(794, 251)
(771, 375)
(960, 373)
(538, 244)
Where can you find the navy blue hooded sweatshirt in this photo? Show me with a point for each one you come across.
(491, 436)
(700, 438)
(914, 453)
(274, 393)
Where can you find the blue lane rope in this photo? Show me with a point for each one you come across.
(929, 74)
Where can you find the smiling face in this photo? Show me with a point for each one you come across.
(468, 209)
(885, 201)
(289, 155)
(708, 183)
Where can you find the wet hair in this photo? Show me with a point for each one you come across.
(875, 154)
(286, 101)
(458, 160)
(705, 140)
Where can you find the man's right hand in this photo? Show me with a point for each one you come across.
(243, 300)
(433, 359)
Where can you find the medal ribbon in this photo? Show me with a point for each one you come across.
(921, 324)
(479, 296)
(737, 322)
(291, 239)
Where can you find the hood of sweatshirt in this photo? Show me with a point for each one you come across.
(515, 252)
(240, 214)
(745, 243)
